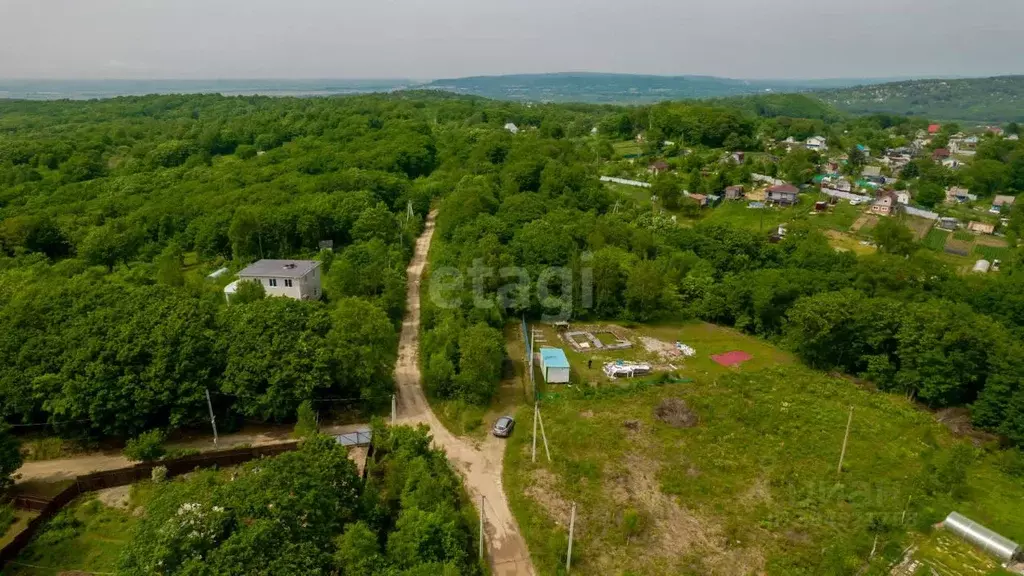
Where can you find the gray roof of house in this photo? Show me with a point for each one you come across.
(279, 268)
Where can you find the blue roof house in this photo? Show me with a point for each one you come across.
(554, 365)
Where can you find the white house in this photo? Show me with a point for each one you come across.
(817, 143)
(903, 197)
(297, 279)
(512, 128)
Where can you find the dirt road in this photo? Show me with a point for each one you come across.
(480, 465)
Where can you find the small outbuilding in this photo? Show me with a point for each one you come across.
(554, 365)
(994, 544)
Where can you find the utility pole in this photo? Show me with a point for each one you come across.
(572, 526)
(534, 431)
(543, 435)
(213, 419)
(842, 454)
(481, 527)
(394, 409)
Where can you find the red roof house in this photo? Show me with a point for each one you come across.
(940, 154)
(934, 129)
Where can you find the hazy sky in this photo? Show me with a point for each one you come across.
(445, 38)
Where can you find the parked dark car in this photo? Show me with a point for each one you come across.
(503, 427)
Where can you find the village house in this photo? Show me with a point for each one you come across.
(783, 194)
(903, 197)
(957, 195)
(981, 227)
(700, 199)
(512, 128)
(296, 279)
(817, 144)
(738, 157)
(940, 154)
(1000, 201)
(947, 223)
(885, 204)
(1013, 137)
(659, 167)
(934, 128)
(734, 192)
(832, 167)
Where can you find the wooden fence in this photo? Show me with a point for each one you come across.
(47, 508)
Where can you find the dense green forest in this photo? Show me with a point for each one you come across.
(308, 512)
(112, 213)
(997, 99)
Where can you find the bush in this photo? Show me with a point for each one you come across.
(147, 447)
(159, 474)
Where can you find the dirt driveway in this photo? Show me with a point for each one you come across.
(480, 465)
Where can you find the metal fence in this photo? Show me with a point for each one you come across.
(48, 507)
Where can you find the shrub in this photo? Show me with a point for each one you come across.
(147, 447)
(159, 474)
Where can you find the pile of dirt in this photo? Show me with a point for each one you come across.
(675, 412)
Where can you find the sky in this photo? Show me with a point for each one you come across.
(429, 39)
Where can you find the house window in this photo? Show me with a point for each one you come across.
(272, 282)
(287, 282)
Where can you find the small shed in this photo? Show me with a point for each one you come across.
(554, 366)
(982, 266)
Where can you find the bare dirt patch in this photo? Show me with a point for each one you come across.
(116, 497)
(664, 350)
(672, 531)
(675, 412)
(542, 490)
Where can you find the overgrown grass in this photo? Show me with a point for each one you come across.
(754, 487)
(87, 535)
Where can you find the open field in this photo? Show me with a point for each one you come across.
(753, 487)
(627, 148)
(88, 535)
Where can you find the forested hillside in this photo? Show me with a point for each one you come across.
(112, 213)
(998, 99)
(621, 88)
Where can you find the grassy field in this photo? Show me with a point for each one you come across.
(626, 148)
(753, 487)
(88, 536)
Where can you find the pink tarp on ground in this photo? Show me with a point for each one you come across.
(731, 358)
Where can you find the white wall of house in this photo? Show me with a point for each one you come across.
(304, 288)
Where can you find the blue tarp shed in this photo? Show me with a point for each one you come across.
(554, 365)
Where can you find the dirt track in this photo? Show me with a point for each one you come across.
(480, 465)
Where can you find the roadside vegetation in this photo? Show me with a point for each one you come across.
(300, 513)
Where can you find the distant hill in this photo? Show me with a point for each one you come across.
(623, 88)
(997, 99)
(88, 89)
